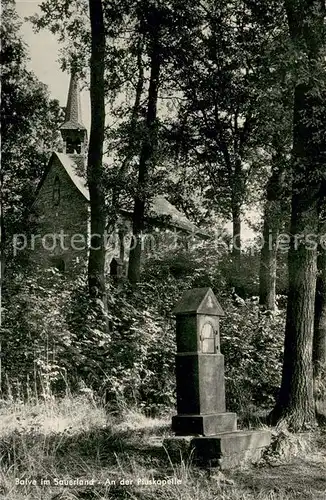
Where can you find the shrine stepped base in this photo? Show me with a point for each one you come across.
(204, 425)
(225, 450)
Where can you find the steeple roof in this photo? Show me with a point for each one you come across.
(73, 118)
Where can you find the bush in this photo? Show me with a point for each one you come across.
(36, 338)
(252, 344)
(56, 338)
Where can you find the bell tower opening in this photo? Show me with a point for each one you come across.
(73, 146)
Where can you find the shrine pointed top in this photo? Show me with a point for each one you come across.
(199, 301)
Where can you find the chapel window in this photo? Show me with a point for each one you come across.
(56, 192)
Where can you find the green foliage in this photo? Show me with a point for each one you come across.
(142, 350)
(228, 75)
(248, 278)
(220, 128)
(53, 339)
(252, 344)
(36, 341)
(54, 336)
(29, 120)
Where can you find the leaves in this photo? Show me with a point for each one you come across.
(29, 126)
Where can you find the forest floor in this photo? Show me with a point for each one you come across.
(44, 445)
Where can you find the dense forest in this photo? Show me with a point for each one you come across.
(220, 107)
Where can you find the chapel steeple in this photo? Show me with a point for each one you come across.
(73, 131)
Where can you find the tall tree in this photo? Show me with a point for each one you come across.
(295, 402)
(152, 24)
(319, 342)
(95, 169)
(164, 26)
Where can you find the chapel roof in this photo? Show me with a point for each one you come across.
(70, 167)
(160, 206)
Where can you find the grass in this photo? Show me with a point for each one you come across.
(123, 458)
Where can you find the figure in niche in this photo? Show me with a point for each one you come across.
(208, 339)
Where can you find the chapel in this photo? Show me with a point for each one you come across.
(61, 207)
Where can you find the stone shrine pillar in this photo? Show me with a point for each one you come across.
(202, 424)
(200, 367)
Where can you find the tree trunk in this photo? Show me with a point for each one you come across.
(95, 173)
(146, 158)
(319, 342)
(272, 221)
(295, 403)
